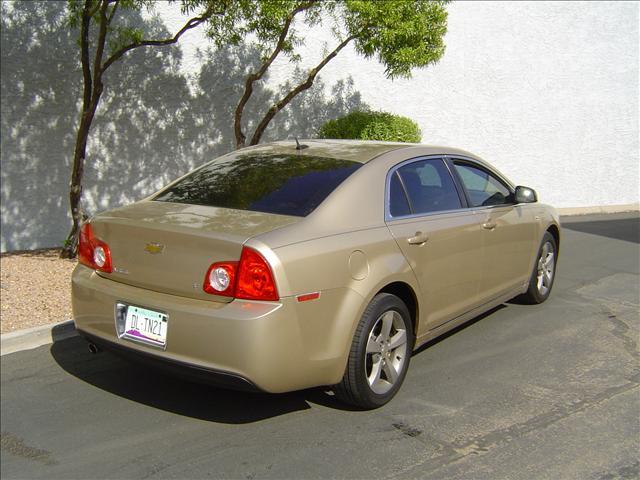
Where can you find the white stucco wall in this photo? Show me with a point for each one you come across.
(546, 91)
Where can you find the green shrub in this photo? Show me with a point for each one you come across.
(372, 126)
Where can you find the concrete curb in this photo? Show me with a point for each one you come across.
(597, 217)
(602, 209)
(35, 337)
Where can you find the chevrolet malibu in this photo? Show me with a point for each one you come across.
(323, 263)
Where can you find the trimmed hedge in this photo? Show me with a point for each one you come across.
(372, 126)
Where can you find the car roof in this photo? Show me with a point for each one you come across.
(355, 150)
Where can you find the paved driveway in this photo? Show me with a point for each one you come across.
(548, 391)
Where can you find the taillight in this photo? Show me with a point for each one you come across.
(255, 278)
(249, 279)
(221, 279)
(85, 251)
(92, 252)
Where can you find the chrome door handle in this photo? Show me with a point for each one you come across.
(488, 225)
(419, 239)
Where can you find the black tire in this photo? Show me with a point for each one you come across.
(534, 295)
(355, 387)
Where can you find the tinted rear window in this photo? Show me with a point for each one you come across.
(286, 184)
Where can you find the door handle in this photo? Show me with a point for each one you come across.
(419, 239)
(489, 225)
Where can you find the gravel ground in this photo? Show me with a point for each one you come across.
(35, 289)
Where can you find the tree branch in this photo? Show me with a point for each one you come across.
(297, 90)
(254, 77)
(113, 11)
(192, 23)
(84, 54)
(95, 8)
(283, 37)
(102, 38)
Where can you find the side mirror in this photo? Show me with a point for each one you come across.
(525, 195)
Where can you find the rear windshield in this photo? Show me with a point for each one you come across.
(286, 184)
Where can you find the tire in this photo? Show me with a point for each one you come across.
(544, 272)
(372, 378)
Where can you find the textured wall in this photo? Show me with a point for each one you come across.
(547, 91)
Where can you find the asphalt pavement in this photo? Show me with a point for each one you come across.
(523, 392)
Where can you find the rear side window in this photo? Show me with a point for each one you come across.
(483, 188)
(284, 184)
(398, 203)
(429, 187)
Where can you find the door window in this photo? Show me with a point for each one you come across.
(428, 185)
(484, 189)
(398, 203)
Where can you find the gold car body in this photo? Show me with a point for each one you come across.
(348, 249)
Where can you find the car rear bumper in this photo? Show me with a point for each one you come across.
(270, 346)
(193, 372)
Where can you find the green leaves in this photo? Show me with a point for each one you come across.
(372, 126)
(402, 34)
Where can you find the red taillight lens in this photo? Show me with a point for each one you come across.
(85, 250)
(249, 279)
(255, 278)
(92, 252)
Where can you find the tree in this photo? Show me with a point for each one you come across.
(107, 45)
(401, 34)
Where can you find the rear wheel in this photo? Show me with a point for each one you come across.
(544, 271)
(380, 354)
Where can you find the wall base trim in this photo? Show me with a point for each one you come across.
(628, 207)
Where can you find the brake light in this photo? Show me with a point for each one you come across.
(255, 278)
(93, 252)
(249, 279)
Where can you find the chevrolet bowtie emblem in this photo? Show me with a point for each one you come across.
(154, 248)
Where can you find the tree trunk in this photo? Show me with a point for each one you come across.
(70, 248)
(92, 91)
(241, 138)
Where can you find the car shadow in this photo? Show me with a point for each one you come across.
(170, 393)
(460, 327)
(159, 389)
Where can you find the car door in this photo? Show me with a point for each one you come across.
(508, 230)
(440, 238)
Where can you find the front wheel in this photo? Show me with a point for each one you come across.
(544, 271)
(380, 354)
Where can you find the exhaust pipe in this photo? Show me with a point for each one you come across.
(93, 348)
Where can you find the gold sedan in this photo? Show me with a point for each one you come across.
(287, 266)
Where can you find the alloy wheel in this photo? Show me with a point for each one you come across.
(546, 268)
(386, 352)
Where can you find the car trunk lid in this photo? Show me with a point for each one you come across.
(168, 247)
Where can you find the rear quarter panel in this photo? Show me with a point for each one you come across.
(348, 270)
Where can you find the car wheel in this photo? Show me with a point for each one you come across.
(544, 271)
(380, 354)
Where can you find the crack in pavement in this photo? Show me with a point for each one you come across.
(485, 443)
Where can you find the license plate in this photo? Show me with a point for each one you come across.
(143, 325)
